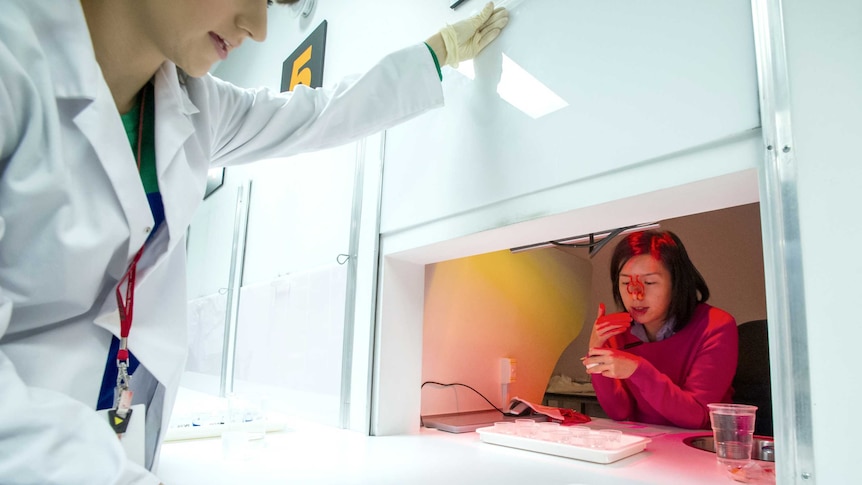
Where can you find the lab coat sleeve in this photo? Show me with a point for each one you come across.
(46, 437)
(248, 125)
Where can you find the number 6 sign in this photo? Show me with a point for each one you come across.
(305, 64)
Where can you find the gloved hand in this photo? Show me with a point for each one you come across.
(465, 39)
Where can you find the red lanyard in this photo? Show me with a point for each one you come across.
(126, 300)
(126, 306)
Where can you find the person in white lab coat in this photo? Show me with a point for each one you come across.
(80, 196)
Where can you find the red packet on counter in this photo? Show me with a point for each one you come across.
(518, 406)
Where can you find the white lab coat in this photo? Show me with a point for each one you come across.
(73, 213)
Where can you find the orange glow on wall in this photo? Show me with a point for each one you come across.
(528, 306)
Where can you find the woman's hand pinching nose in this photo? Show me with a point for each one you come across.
(607, 326)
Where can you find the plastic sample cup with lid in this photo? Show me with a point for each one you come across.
(546, 430)
(525, 427)
(733, 431)
(613, 437)
(504, 427)
(579, 435)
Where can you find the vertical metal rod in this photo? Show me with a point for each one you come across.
(377, 269)
(350, 290)
(237, 260)
(785, 294)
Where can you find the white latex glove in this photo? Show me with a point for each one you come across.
(465, 39)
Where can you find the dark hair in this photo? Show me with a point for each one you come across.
(686, 280)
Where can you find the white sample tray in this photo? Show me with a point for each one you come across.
(214, 430)
(628, 446)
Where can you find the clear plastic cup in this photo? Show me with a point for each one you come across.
(597, 440)
(245, 427)
(613, 437)
(579, 435)
(559, 435)
(525, 427)
(546, 430)
(733, 431)
(504, 427)
(236, 444)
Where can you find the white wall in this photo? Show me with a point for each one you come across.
(289, 343)
(299, 219)
(641, 80)
(824, 41)
(311, 191)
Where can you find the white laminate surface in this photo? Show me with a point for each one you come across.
(311, 454)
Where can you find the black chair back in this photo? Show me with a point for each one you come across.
(752, 384)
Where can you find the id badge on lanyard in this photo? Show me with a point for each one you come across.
(122, 411)
(131, 432)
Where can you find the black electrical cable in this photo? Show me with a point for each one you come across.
(464, 385)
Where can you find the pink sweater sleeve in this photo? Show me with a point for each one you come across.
(711, 370)
(614, 398)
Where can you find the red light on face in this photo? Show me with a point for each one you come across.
(635, 287)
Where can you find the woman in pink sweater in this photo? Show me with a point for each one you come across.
(669, 354)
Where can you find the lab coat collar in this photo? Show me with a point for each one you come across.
(84, 96)
(76, 75)
(69, 51)
(172, 80)
(177, 181)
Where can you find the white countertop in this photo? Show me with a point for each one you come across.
(310, 454)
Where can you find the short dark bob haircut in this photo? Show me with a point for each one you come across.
(688, 288)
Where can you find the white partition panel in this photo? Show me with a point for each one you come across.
(572, 89)
(289, 343)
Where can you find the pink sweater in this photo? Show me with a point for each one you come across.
(676, 377)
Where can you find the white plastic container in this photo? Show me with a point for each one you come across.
(610, 452)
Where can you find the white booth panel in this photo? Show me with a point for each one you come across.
(573, 89)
